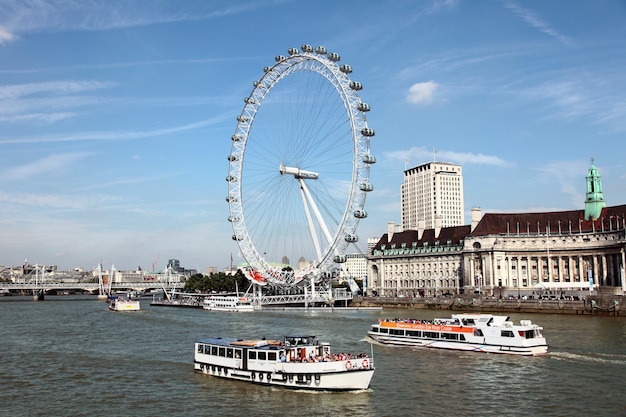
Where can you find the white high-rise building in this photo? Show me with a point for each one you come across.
(430, 191)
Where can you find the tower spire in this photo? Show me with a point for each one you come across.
(594, 199)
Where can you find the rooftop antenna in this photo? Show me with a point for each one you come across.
(434, 154)
(406, 163)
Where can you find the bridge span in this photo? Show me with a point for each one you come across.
(88, 286)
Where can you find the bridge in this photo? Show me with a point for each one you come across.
(88, 286)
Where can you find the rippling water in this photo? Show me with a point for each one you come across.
(73, 357)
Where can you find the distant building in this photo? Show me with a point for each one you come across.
(430, 191)
(355, 266)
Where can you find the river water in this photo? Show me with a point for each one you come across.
(72, 357)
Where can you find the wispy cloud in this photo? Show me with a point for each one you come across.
(121, 135)
(37, 117)
(33, 16)
(569, 175)
(43, 102)
(531, 18)
(464, 158)
(8, 92)
(49, 164)
(422, 93)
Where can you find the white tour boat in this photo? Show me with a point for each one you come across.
(123, 304)
(299, 362)
(473, 332)
(227, 303)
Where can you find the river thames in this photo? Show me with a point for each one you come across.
(70, 356)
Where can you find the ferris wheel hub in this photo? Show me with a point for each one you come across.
(299, 173)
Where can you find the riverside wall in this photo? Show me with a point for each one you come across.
(592, 305)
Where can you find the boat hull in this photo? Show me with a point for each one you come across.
(296, 362)
(125, 305)
(466, 346)
(322, 381)
(485, 333)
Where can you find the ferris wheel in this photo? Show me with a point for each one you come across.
(299, 168)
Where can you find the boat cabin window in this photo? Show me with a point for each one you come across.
(384, 330)
(214, 350)
(222, 351)
(271, 356)
(229, 352)
(478, 332)
(414, 333)
(262, 356)
(506, 333)
(201, 348)
(398, 332)
(252, 354)
(529, 334)
(450, 336)
(431, 335)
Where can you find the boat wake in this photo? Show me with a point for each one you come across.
(596, 357)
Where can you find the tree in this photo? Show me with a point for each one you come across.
(220, 282)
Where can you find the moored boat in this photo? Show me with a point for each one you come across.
(227, 303)
(473, 332)
(123, 304)
(298, 362)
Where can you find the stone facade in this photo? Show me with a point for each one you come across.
(504, 255)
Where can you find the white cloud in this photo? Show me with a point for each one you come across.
(5, 36)
(422, 93)
(418, 155)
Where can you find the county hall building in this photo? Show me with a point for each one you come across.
(507, 254)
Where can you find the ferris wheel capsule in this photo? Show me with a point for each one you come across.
(360, 214)
(307, 48)
(355, 85)
(364, 107)
(320, 50)
(346, 69)
(293, 51)
(367, 131)
(340, 259)
(334, 57)
(369, 158)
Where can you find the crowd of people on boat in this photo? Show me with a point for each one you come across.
(327, 357)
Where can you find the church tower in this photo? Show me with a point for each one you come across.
(594, 201)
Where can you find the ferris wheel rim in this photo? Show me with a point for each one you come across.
(325, 65)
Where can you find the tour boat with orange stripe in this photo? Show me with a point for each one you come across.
(297, 362)
(473, 332)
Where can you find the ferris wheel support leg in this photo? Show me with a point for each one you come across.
(316, 211)
(309, 220)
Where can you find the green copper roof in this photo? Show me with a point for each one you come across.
(594, 200)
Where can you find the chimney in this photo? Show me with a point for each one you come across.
(438, 222)
(391, 227)
(477, 214)
(420, 228)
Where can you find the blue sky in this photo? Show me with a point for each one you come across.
(116, 116)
